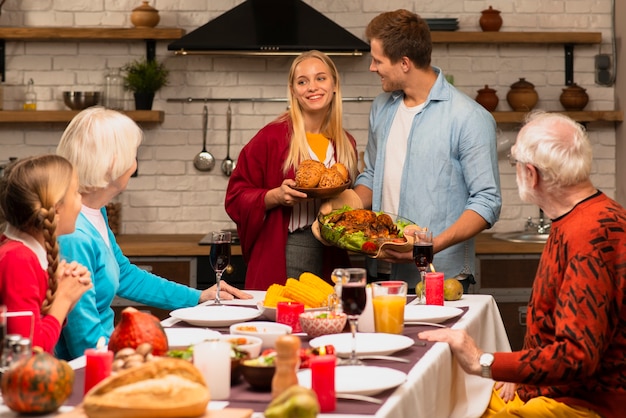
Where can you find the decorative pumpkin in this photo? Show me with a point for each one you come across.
(137, 327)
(38, 384)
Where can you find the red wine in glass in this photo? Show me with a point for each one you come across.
(423, 255)
(353, 298)
(220, 258)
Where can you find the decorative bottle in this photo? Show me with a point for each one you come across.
(30, 98)
(114, 91)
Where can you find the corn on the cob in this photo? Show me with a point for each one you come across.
(308, 295)
(317, 282)
(273, 294)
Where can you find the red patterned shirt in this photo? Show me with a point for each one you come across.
(575, 344)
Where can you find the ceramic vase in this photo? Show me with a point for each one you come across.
(522, 96)
(144, 16)
(574, 98)
(490, 20)
(488, 98)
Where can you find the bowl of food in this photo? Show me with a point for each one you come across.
(316, 324)
(79, 100)
(249, 344)
(259, 372)
(268, 332)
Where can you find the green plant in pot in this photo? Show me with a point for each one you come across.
(143, 78)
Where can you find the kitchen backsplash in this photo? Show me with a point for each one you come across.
(170, 196)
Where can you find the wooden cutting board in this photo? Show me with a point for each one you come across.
(79, 412)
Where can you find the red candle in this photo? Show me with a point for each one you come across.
(434, 288)
(288, 313)
(98, 366)
(323, 381)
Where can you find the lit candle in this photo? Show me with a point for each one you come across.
(434, 288)
(288, 313)
(212, 358)
(323, 381)
(98, 366)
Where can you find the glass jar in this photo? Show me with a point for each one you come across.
(114, 90)
(30, 98)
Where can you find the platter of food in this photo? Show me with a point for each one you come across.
(365, 231)
(319, 181)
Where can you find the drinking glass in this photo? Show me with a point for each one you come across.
(220, 258)
(353, 300)
(422, 256)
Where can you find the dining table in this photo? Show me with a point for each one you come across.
(435, 385)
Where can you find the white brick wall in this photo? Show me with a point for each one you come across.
(170, 196)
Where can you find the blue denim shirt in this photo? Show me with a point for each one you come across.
(451, 165)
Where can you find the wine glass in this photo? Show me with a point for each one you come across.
(353, 301)
(423, 256)
(220, 257)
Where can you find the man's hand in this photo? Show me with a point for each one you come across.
(227, 292)
(346, 198)
(462, 345)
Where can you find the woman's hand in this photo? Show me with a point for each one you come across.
(285, 195)
(73, 280)
(227, 292)
(507, 390)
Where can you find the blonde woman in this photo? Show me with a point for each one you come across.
(39, 200)
(273, 220)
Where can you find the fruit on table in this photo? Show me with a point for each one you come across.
(295, 402)
(38, 384)
(452, 289)
(136, 328)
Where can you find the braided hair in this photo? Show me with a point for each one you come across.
(30, 189)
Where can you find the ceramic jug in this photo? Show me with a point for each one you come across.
(487, 98)
(490, 20)
(145, 16)
(574, 98)
(522, 96)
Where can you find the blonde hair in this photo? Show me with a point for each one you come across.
(30, 190)
(332, 127)
(102, 144)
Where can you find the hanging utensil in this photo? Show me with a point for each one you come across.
(228, 165)
(204, 161)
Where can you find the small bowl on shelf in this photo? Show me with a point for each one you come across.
(316, 324)
(79, 100)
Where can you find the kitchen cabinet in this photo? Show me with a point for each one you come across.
(508, 278)
(182, 270)
(149, 35)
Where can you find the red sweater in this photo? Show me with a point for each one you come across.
(23, 286)
(263, 233)
(575, 344)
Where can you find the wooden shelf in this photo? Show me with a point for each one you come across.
(582, 116)
(516, 37)
(86, 34)
(64, 116)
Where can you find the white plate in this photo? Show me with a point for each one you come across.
(215, 316)
(361, 380)
(184, 337)
(257, 296)
(270, 313)
(366, 343)
(430, 313)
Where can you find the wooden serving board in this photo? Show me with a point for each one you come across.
(79, 412)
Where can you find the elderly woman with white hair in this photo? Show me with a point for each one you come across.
(102, 145)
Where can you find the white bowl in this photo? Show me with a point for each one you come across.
(266, 331)
(252, 345)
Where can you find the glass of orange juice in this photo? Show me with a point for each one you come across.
(389, 299)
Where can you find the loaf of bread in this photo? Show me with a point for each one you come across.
(164, 388)
(309, 173)
(331, 178)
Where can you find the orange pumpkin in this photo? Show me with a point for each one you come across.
(136, 328)
(38, 384)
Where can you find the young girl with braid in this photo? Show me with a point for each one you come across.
(39, 200)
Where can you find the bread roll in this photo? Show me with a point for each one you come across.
(163, 388)
(331, 178)
(342, 170)
(309, 173)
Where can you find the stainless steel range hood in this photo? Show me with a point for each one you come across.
(270, 28)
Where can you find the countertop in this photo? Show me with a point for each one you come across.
(186, 245)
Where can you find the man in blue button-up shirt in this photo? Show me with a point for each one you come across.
(431, 152)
